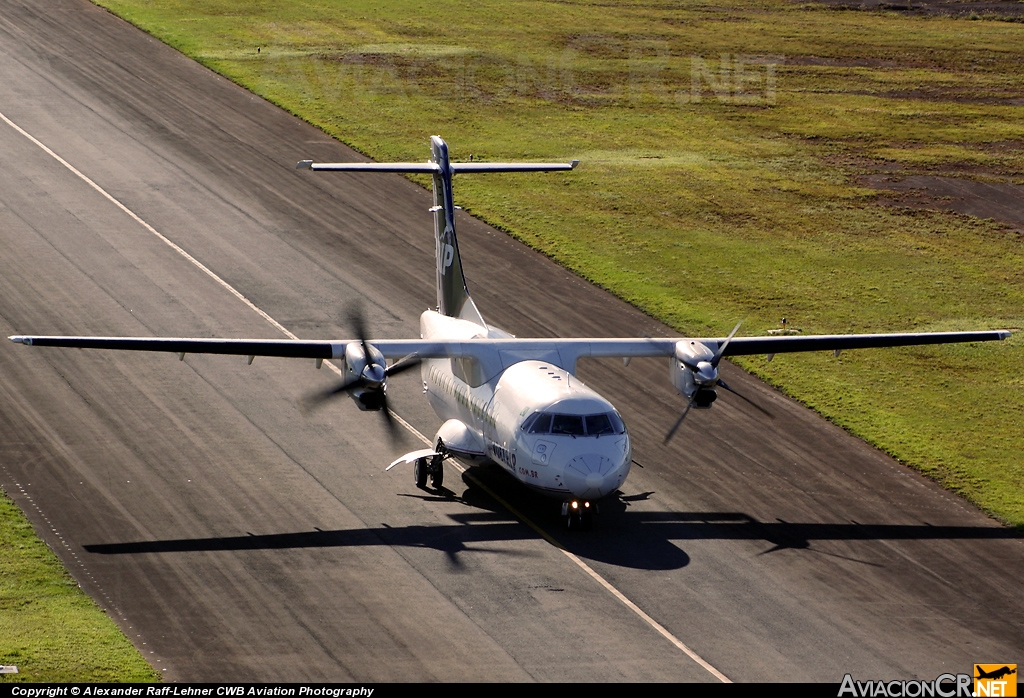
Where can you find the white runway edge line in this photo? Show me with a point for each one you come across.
(202, 267)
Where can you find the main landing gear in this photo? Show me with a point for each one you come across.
(579, 514)
(430, 467)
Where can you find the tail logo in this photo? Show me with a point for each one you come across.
(449, 255)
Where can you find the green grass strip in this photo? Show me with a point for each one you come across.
(49, 628)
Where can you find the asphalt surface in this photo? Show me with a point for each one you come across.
(234, 537)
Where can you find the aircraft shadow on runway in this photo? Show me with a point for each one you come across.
(633, 539)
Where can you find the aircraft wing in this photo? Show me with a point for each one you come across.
(740, 346)
(566, 352)
(288, 348)
(563, 352)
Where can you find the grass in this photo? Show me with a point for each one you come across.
(724, 147)
(49, 628)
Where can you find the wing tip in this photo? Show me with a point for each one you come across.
(20, 339)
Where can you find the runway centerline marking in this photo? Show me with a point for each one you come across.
(660, 629)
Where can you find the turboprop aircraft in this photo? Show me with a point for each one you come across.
(514, 401)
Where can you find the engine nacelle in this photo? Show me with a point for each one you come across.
(689, 353)
(369, 369)
(356, 360)
(692, 374)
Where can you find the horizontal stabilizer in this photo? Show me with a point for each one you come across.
(414, 167)
(431, 167)
(459, 167)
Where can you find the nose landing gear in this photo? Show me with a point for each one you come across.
(429, 467)
(579, 514)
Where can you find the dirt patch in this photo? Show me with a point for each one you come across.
(999, 201)
(999, 9)
(843, 62)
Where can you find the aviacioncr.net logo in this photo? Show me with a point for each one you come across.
(945, 686)
(995, 680)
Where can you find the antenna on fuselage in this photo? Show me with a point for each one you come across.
(453, 297)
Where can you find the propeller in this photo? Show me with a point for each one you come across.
(672, 431)
(371, 381)
(705, 373)
(721, 350)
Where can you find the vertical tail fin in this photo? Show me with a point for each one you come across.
(453, 297)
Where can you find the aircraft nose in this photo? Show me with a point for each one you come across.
(592, 475)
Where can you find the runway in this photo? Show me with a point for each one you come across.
(235, 538)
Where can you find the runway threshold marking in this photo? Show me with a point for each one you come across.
(413, 430)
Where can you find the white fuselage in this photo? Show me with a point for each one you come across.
(533, 418)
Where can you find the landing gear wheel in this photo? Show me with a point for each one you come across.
(437, 477)
(420, 472)
(437, 466)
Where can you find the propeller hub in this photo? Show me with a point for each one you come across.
(706, 373)
(373, 375)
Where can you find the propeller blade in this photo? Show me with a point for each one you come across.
(358, 324)
(672, 431)
(403, 364)
(721, 350)
(747, 400)
(318, 398)
(394, 433)
(374, 387)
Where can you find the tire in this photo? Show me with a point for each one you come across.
(437, 477)
(419, 472)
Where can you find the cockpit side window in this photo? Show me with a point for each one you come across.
(540, 423)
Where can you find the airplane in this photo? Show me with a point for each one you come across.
(514, 401)
(995, 674)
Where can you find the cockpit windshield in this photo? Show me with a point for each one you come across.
(574, 424)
